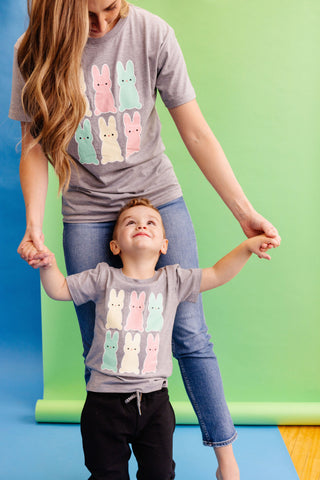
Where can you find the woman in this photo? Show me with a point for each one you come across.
(88, 106)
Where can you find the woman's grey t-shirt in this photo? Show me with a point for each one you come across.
(131, 348)
(117, 147)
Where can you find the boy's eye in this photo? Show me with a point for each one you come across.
(151, 222)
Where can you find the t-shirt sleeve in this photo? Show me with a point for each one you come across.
(87, 285)
(173, 81)
(188, 283)
(16, 111)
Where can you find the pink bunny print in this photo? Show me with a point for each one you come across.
(133, 133)
(135, 317)
(151, 360)
(104, 101)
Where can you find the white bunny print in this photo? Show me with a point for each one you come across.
(104, 101)
(110, 149)
(130, 360)
(115, 305)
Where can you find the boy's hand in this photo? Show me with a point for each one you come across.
(261, 244)
(31, 244)
(43, 259)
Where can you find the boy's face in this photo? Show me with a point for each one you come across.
(139, 228)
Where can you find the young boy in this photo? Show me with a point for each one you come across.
(130, 357)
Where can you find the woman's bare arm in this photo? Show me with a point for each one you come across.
(34, 184)
(209, 156)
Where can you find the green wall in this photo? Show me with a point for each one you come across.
(255, 68)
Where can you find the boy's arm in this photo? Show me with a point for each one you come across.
(53, 280)
(230, 265)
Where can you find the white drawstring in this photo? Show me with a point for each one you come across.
(138, 396)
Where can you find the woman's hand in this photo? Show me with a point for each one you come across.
(31, 245)
(256, 224)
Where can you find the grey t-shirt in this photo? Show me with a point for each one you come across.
(131, 349)
(117, 147)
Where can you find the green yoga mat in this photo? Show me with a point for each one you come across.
(254, 67)
(262, 413)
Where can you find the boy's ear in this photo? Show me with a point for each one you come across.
(164, 247)
(114, 247)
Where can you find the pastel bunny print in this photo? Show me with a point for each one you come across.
(109, 361)
(110, 149)
(104, 101)
(130, 360)
(155, 318)
(115, 306)
(151, 360)
(135, 317)
(128, 94)
(84, 138)
(132, 130)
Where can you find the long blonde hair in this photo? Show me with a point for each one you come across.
(49, 58)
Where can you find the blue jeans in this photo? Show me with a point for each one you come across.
(85, 245)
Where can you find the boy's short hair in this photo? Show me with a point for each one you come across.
(135, 202)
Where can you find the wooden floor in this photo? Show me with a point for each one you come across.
(303, 444)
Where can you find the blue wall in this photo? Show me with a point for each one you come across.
(20, 324)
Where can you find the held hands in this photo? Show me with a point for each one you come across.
(256, 224)
(44, 259)
(260, 245)
(36, 258)
(32, 246)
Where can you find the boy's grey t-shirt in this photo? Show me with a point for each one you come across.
(117, 146)
(131, 349)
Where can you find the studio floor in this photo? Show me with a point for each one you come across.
(31, 450)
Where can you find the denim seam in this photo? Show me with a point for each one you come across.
(195, 405)
(225, 443)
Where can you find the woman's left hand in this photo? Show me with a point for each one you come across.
(256, 224)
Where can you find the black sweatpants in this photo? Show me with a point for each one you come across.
(112, 421)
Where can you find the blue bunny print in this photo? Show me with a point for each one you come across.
(128, 95)
(110, 352)
(86, 151)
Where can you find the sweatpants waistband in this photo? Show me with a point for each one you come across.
(128, 397)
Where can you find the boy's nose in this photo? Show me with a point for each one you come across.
(141, 226)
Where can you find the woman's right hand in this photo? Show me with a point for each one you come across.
(31, 244)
